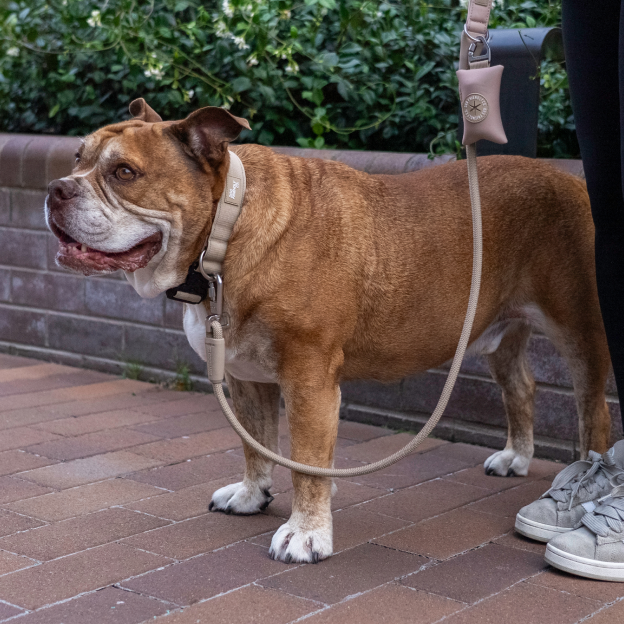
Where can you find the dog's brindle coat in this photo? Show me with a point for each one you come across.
(332, 274)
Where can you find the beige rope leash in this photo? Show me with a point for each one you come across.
(482, 78)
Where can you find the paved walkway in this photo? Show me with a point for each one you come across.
(103, 519)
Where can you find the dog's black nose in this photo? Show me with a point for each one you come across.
(63, 189)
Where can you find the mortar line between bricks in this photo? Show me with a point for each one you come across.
(60, 404)
(37, 562)
(59, 522)
(502, 591)
(180, 561)
(435, 562)
(10, 604)
(80, 595)
(90, 317)
(7, 507)
(538, 384)
(531, 581)
(28, 567)
(603, 608)
(87, 593)
(17, 228)
(490, 596)
(417, 485)
(441, 478)
(344, 600)
(201, 554)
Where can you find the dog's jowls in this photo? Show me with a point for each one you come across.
(332, 274)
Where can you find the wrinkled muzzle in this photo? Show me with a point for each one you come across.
(93, 240)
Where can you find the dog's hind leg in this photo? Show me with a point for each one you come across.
(257, 408)
(579, 337)
(511, 371)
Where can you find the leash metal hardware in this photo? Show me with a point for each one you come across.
(476, 39)
(484, 55)
(215, 297)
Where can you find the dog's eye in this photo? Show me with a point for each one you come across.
(77, 156)
(124, 173)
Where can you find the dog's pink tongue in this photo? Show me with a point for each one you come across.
(90, 261)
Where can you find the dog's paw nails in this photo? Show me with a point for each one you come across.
(293, 545)
(268, 501)
(240, 499)
(507, 463)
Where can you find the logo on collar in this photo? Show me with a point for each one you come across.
(233, 191)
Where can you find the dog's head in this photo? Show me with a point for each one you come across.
(141, 196)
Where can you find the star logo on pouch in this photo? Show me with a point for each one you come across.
(476, 108)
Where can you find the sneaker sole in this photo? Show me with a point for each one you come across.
(581, 566)
(537, 530)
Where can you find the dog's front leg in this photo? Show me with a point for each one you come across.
(257, 408)
(312, 401)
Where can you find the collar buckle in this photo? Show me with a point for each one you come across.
(194, 289)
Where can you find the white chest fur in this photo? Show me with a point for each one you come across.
(243, 368)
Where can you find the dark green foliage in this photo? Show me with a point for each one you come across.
(340, 73)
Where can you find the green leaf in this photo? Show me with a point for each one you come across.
(242, 83)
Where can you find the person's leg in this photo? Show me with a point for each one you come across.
(591, 33)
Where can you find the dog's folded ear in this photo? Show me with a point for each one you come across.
(208, 131)
(140, 109)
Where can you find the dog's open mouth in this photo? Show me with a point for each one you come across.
(78, 257)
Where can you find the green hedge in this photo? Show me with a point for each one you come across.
(325, 73)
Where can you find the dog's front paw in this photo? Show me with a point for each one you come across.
(507, 463)
(240, 498)
(293, 544)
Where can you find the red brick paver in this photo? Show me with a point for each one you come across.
(104, 492)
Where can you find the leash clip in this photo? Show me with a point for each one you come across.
(484, 55)
(215, 297)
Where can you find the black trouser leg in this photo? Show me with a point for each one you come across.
(593, 35)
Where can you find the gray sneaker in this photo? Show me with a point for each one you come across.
(573, 493)
(596, 549)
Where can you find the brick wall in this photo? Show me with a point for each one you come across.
(100, 322)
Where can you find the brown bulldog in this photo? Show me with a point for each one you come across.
(332, 274)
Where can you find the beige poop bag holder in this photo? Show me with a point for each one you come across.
(479, 90)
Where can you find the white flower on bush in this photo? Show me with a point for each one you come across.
(292, 68)
(240, 42)
(155, 72)
(252, 60)
(227, 8)
(95, 19)
(13, 51)
(188, 95)
(222, 31)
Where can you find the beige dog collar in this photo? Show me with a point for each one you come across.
(228, 210)
(204, 276)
